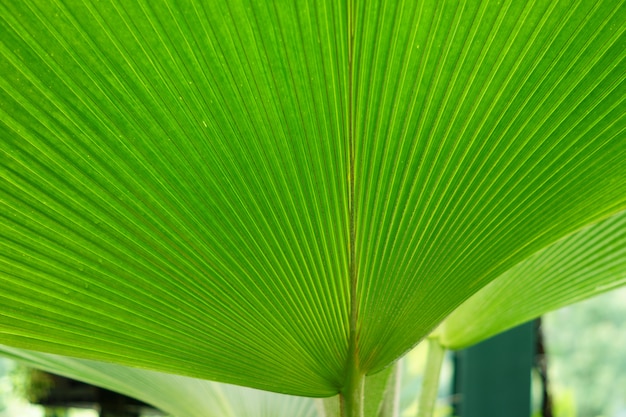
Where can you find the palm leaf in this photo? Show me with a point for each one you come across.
(579, 266)
(289, 196)
(176, 395)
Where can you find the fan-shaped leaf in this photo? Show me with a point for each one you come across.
(285, 195)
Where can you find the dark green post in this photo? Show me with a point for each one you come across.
(493, 378)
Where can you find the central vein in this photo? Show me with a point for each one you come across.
(353, 353)
(351, 397)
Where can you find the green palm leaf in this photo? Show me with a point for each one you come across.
(176, 395)
(289, 196)
(579, 266)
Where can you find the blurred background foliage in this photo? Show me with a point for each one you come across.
(586, 345)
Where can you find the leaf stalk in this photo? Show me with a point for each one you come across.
(430, 386)
(352, 396)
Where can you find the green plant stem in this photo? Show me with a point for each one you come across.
(352, 396)
(430, 386)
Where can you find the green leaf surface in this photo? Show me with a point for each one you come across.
(587, 263)
(329, 406)
(285, 195)
(380, 389)
(390, 405)
(176, 395)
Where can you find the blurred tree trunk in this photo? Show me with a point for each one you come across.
(541, 363)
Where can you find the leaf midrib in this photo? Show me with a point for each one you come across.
(352, 361)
